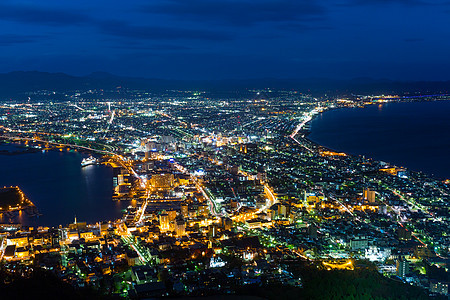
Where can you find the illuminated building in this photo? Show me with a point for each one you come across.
(172, 215)
(87, 235)
(369, 195)
(20, 241)
(332, 153)
(374, 253)
(73, 235)
(180, 227)
(234, 203)
(116, 171)
(184, 210)
(283, 210)
(402, 174)
(183, 179)
(394, 171)
(273, 211)
(249, 148)
(216, 262)
(162, 181)
(402, 267)
(120, 179)
(359, 243)
(346, 265)
(122, 189)
(164, 222)
(22, 253)
(147, 151)
(202, 209)
(310, 200)
(10, 252)
(257, 223)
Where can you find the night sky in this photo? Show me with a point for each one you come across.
(221, 39)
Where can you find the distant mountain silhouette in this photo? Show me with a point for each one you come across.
(18, 85)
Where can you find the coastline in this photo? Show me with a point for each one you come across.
(46, 196)
(306, 132)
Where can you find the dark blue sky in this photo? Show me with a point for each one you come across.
(215, 39)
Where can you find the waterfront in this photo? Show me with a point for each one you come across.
(60, 188)
(211, 199)
(412, 135)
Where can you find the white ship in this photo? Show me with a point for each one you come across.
(88, 161)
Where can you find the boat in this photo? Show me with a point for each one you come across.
(89, 161)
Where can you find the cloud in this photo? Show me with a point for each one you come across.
(238, 13)
(40, 15)
(124, 29)
(13, 39)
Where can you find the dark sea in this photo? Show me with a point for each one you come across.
(59, 187)
(415, 135)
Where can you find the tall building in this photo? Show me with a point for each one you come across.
(120, 179)
(369, 196)
(184, 210)
(402, 267)
(283, 210)
(164, 222)
(147, 152)
(180, 226)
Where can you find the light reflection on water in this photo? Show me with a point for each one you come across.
(60, 188)
(412, 135)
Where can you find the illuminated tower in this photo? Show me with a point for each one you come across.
(180, 227)
(402, 267)
(369, 195)
(164, 222)
(184, 210)
(147, 150)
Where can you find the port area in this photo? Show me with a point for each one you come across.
(13, 199)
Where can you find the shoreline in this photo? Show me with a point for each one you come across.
(308, 131)
(11, 217)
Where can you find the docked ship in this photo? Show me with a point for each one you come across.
(89, 161)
